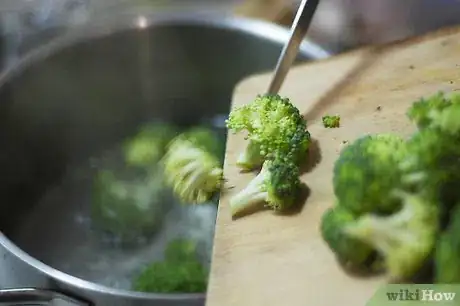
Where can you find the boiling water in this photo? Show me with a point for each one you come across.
(60, 233)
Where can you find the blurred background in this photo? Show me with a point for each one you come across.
(338, 25)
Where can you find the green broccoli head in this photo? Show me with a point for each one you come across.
(366, 172)
(432, 167)
(298, 144)
(405, 238)
(276, 185)
(130, 209)
(179, 272)
(447, 252)
(173, 277)
(331, 121)
(424, 110)
(272, 124)
(149, 145)
(347, 249)
(446, 120)
(429, 154)
(193, 165)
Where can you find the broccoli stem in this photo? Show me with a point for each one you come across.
(405, 238)
(250, 197)
(250, 158)
(391, 232)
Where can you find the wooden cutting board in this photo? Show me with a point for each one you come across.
(271, 260)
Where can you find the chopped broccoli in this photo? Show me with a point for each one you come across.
(404, 195)
(173, 277)
(128, 208)
(193, 165)
(331, 121)
(181, 250)
(366, 172)
(405, 239)
(276, 185)
(179, 272)
(422, 111)
(432, 168)
(446, 120)
(347, 249)
(431, 156)
(273, 124)
(447, 252)
(149, 145)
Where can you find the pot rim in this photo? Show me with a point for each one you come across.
(131, 21)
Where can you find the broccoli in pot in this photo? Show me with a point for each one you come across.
(179, 272)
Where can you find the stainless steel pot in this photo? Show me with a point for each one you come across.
(80, 93)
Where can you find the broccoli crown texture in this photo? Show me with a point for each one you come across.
(298, 144)
(347, 249)
(430, 152)
(447, 252)
(193, 165)
(276, 185)
(149, 145)
(273, 124)
(446, 120)
(331, 121)
(405, 238)
(366, 172)
(172, 277)
(179, 272)
(432, 168)
(424, 110)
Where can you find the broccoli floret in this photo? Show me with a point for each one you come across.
(422, 111)
(447, 252)
(405, 239)
(149, 145)
(173, 277)
(276, 186)
(179, 250)
(128, 208)
(347, 249)
(180, 271)
(428, 160)
(446, 120)
(273, 124)
(331, 121)
(193, 165)
(366, 172)
(432, 168)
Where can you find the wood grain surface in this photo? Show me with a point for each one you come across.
(271, 260)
